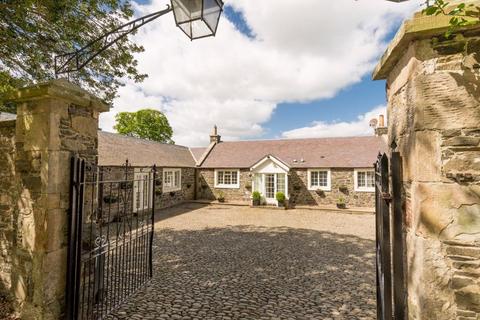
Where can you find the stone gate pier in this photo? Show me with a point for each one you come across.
(54, 121)
(433, 91)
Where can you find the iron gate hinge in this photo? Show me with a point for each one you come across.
(386, 196)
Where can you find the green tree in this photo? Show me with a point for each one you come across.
(461, 14)
(146, 124)
(33, 32)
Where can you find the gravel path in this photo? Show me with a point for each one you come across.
(242, 263)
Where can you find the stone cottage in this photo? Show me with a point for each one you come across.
(308, 171)
(121, 158)
(316, 171)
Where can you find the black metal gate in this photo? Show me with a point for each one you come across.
(110, 238)
(391, 286)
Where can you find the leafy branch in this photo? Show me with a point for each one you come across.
(33, 32)
(462, 15)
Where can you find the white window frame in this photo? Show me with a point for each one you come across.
(324, 188)
(355, 179)
(178, 187)
(227, 186)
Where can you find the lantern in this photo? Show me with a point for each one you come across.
(197, 18)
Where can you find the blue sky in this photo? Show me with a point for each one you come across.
(270, 72)
(344, 106)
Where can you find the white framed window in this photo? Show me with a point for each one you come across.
(364, 180)
(172, 180)
(229, 179)
(319, 179)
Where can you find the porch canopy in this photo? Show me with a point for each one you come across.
(269, 176)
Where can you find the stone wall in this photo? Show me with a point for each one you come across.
(300, 195)
(434, 122)
(8, 214)
(206, 186)
(297, 188)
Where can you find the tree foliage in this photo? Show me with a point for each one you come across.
(461, 15)
(146, 124)
(32, 32)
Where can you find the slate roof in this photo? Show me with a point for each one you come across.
(115, 149)
(198, 153)
(345, 152)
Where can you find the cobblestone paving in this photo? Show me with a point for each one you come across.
(258, 271)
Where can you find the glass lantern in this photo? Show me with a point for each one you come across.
(197, 18)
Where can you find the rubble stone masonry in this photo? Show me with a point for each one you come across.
(8, 214)
(342, 181)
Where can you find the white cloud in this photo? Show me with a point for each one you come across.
(319, 129)
(302, 51)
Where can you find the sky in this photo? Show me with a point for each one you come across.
(276, 69)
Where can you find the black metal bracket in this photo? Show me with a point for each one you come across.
(387, 196)
(76, 60)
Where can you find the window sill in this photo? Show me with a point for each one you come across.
(227, 186)
(370, 190)
(171, 189)
(320, 189)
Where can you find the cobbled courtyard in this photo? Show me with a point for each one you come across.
(226, 262)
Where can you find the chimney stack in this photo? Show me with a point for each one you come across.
(381, 129)
(381, 121)
(214, 137)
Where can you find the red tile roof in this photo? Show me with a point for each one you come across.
(348, 152)
(114, 149)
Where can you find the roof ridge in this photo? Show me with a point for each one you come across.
(297, 139)
(141, 139)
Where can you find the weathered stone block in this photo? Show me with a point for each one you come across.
(36, 129)
(467, 314)
(462, 141)
(84, 125)
(447, 210)
(451, 133)
(56, 171)
(468, 298)
(463, 162)
(472, 132)
(459, 282)
(464, 251)
(57, 226)
(440, 100)
(427, 157)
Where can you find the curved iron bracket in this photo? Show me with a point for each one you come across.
(76, 60)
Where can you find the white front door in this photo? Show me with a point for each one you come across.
(270, 188)
(268, 184)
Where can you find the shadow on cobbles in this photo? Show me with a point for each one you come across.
(246, 272)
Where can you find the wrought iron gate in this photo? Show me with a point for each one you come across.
(391, 287)
(110, 238)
